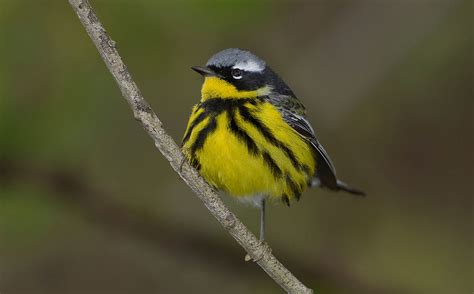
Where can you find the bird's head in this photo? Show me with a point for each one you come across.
(235, 73)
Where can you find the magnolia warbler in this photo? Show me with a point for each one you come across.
(249, 136)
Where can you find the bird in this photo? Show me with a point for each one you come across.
(249, 135)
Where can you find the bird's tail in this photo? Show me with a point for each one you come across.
(340, 186)
(344, 187)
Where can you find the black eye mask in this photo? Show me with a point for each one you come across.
(250, 80)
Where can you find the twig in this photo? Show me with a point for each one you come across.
(259, 252)
(95, 204)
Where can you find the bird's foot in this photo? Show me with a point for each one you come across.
(262, 250)
(181, 164)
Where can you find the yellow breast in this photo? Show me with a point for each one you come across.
(244, 147)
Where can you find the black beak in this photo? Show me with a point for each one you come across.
(204, 71)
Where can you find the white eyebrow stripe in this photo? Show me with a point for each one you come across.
(249, 66)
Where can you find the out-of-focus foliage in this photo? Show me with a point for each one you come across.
(87, 205)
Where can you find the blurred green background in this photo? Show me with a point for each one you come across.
(88, 205)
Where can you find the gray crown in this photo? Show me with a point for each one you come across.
(232, 56)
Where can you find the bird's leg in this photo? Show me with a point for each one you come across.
(262, 219)
(266, 248)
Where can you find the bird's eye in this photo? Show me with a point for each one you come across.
(236, 73)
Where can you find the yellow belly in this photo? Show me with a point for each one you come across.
(226, 161)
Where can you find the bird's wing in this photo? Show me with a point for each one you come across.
(293, 113)
(304, 129)
(325, 171)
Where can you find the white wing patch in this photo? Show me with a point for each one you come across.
(249, 65)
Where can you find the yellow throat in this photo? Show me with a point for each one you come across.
(214, 87)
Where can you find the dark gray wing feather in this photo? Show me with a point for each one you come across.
(326, 172)
(302, 127)
(294, 113)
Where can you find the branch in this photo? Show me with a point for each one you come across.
(95, 204)
(259, 252)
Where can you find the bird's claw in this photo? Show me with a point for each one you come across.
(181, 164)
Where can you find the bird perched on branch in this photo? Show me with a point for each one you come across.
(249, 135)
